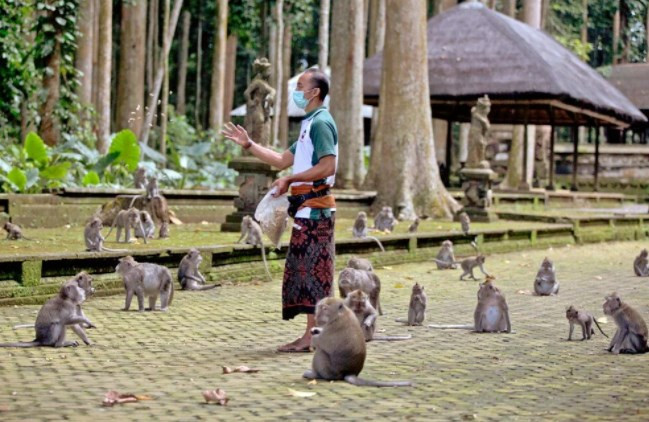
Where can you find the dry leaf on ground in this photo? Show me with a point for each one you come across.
(300, 394)
(387, 268)
(217, 395)
(244, 369)
(114, 397)
(524, 292)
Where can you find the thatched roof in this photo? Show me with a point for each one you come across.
(633, 81)
(473, 51)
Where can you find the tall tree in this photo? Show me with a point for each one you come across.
(323, 34)
(199, 64)
(347, 41)
(166, 44)
(49, 126)
(616, 35)
(130, 81)
(104, 45)
(230, 72)
(410, 179)
(85, 42)
(646, 32)
(277, 68)
(183, 53)
(286, 74)
(218, 66)
(151, 43)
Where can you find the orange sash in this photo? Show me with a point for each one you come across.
(326, 201)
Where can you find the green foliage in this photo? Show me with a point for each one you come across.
(35, 148)
(126, 145)
(18, 178)
(91, 179)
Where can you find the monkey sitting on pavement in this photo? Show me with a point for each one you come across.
(492, 313)
(340, 346)
(351, 279)
(417, 308)
(14, 232)
(445, 258)
(251, 234)
(53, 318)
(583, 319)
(359, 303)
(631, 334)
(641, 264)
(145, 279)
(189, 276)
(545, 283)
(360, 229)
(384, 220)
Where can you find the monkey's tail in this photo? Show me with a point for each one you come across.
(171, 293)
(451, 326)
(392, 338)
(378, 242)
(19, 326)
(21, 344)
(209, 287)
(600, 328)
(133, 200)
(103, 249)
(143, 232)
(263, 256)
(360, 382)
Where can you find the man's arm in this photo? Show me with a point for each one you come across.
(239, 135)
(325, 168)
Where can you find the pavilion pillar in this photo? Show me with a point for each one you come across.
(575, 156)
(449, 146)
(552, 136)
(596, 182)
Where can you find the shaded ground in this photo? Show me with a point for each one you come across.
(531, 375)
(70, 239)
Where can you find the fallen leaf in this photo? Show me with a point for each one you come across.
(217, 395)
(387, 268)
(524, 292)
(312, 382)
(113, 397)
(597, 277)
(204, 223)
(399, 285)
(300, 394)
(602, 320)
(245, 369)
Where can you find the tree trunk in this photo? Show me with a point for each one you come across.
(159, 74)
(85, 43)
(49, 127)
(647, 34)
(347, 41)
(130, 82)
(410, 180)
(183, 52)
(199, 64)
(104, 44)
(374, 45)
(584, 21)
(230, 69)
(444, 5)
(95, 55)
(286, 74)
(515, 160)
(532, 13)
(151, 43)
(278, 65)
(616, 35)
(545, 9)
(218, 66)
(323, 34)
(166, 44)
(510, 8)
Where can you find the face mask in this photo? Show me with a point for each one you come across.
(299, 100)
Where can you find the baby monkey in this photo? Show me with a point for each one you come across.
(641, 264)
(359, 302)
(251, 234)
(585, 320)
(14, 232)
(189, 276)
(360, 229)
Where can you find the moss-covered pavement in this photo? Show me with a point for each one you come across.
(530, 375)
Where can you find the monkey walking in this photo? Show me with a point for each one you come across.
(360, 229)
(469, 264)
(126, 219)
(14, 232)
(351, 279)
(251, 234)
(585, 320)
(631, 334)
(145, 279)
(189, 276)
(359, 303)
(360, 264)
(384, 220)
(93, 238)
(340, 346)
(54, 316)
(545, 283)
(641, 264)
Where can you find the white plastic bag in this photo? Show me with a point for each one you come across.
(272, 214)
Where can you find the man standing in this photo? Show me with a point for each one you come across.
(309, 271)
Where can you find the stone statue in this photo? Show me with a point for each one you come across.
(260, 98)
(478, 134)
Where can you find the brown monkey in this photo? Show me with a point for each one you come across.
(189, 276)
(351, 279)
(469, 264)
(251, 234)
(465, 222)
(631, 334)
(127, 219)
(445, 259)
(414, 226)
(585, 320)
(492, 313)
(147, 224)
(340, 346)
(139, 178)
(360, 264)
(359, 303)
(54, 316)
(152, 189)
(360, 229)
(384, 220)
(641, 264)
(14, 232)
(417, 309)
(146, 279)
(93, 238)
(546, 283)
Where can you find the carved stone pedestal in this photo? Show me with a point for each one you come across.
(476, 184)
(254, 180)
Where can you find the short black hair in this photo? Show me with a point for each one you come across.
(320, 80)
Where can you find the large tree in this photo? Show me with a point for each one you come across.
(85, 43)
(410, 180)
(183, 53)
(347, 42)
(218, 66)
(104, 45)
(323, 34)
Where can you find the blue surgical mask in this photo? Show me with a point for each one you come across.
(299, 100)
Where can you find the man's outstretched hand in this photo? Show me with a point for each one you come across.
(237, 134)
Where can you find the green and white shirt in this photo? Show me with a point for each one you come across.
(318, 138)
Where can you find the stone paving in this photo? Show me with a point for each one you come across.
(534, 374)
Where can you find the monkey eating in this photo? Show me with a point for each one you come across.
(631, 334)
(147, 225)
(340, 346)
(359, 230)
(93, 238)
(359, 303)
(360, 264)
(545, 283)
(351, 279)
(53, 318)
(641, 264)
(583, 319)
(445, 258)
(14, 232)
(251, 234)
(492, 313)
(189, 276)
(384, 220)
(126, 219)
(417, 308)
(145, 279)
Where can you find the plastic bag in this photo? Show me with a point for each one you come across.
(272, 214)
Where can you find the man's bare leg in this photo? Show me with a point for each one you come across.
(303, 343)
